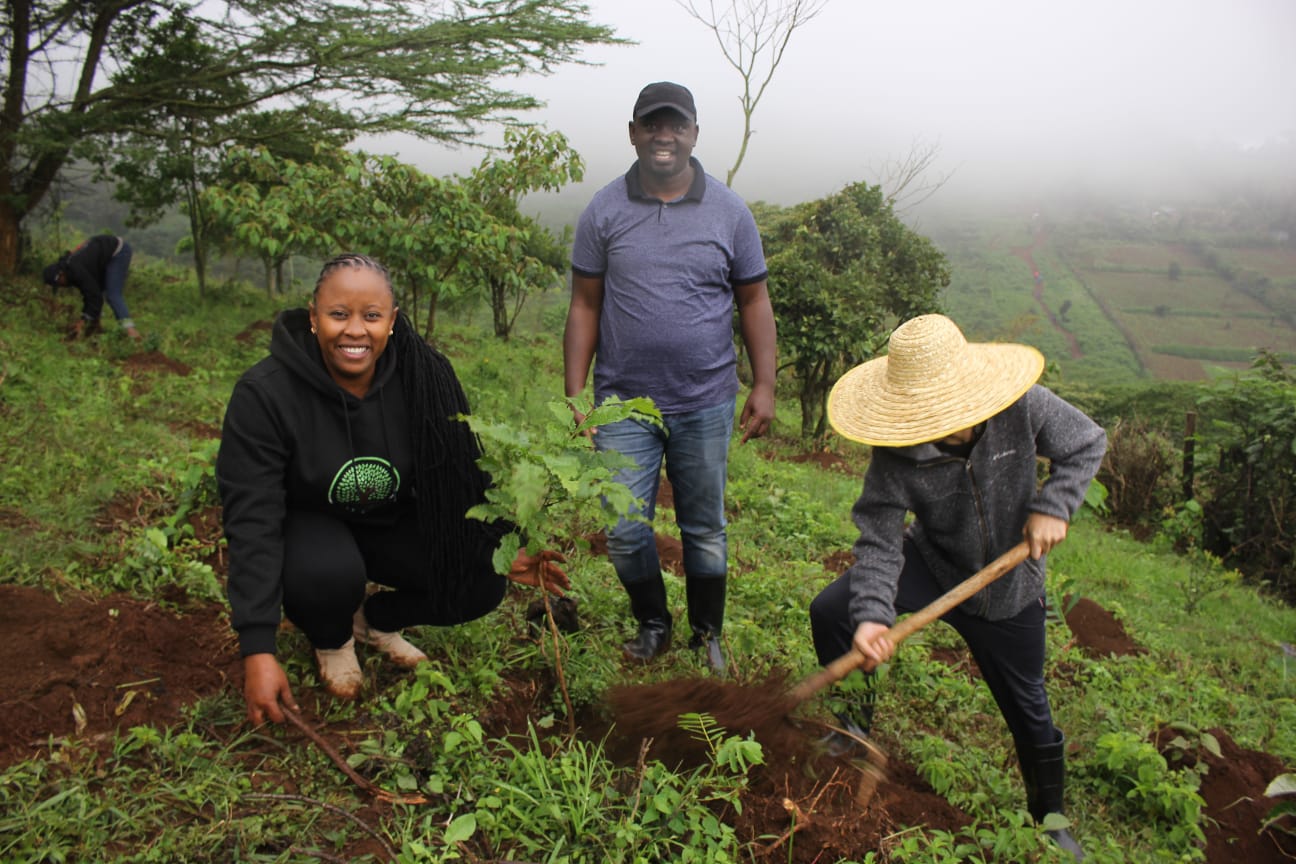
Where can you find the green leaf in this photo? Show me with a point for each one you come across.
(1282, 810)
(530, 486)
(502, 559)
(461, 829)
(1055, 822)
(1283, 784)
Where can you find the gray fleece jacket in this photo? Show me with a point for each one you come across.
(967, 512)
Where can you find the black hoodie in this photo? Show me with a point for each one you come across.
(85, 267)
(294, 440)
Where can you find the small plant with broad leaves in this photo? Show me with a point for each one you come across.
(1207, 575)
(1283, 815)
(1186, 746)
(550, 480)
(1141, 777)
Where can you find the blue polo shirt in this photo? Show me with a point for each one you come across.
(669, 270)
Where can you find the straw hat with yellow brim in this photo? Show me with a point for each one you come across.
(931, 384)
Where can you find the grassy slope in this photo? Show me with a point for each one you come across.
(76, 434)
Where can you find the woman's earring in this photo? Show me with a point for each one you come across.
(312, 329)
(391, 332)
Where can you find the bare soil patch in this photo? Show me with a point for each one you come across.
(76, 668)
(153, 361)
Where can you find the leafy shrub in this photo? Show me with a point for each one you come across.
(1182, 528)
(1249, 502)
(1138, 471)
(1140, 776)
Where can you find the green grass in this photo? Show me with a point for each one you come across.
(77, 435)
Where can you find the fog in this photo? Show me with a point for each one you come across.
(1132, 98)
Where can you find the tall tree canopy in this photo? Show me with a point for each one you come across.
(843, 270)
(81, 75)
(443, 238)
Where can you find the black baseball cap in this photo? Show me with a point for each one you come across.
(664, 94)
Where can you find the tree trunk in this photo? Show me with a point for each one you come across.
(199, 238)
(499, 309)
(10, 244)
(431, 316)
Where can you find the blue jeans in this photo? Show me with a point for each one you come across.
(695, 447)
(115, 282)
(114, 289)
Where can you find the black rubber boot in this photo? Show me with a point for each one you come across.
(856, 718)
(648, 605)
(706, 602)
(1044, 772)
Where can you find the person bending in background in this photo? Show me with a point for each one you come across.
(661, 257)
(98, 268)
(342, 463)
(956, 430)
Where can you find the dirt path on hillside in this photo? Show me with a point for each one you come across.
(1026, 253)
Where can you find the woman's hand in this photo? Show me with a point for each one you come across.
(265, 687)
(528, 570)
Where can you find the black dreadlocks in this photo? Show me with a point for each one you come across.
(447, 479)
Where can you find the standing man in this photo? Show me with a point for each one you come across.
(98, 268)
(661, 257)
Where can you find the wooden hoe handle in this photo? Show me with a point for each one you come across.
(854, 658)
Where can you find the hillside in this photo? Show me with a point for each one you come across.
(123, 737)
(1147, 296)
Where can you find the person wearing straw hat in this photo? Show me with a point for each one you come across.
(956, 430)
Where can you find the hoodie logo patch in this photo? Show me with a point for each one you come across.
(363, 484)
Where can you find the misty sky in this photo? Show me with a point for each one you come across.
(1104, 92)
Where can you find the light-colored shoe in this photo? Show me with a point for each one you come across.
(340, 671)
(399, 651)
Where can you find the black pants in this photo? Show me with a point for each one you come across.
(1009, 652)
(327, 565)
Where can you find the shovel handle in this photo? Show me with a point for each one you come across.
(854, 658)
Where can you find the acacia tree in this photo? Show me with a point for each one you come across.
(167, 153)
(846, 269)
(442, 237)
(416, 66)
(752, 35)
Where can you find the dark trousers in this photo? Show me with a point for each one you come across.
(328, 564)
(1009, 652)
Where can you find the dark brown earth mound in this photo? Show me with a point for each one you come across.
(75, 668)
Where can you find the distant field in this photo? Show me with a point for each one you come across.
(1124, 316)
(1277, 264)
(1151, 257)
(1182, 326)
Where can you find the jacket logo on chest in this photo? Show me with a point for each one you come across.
(363, 484)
